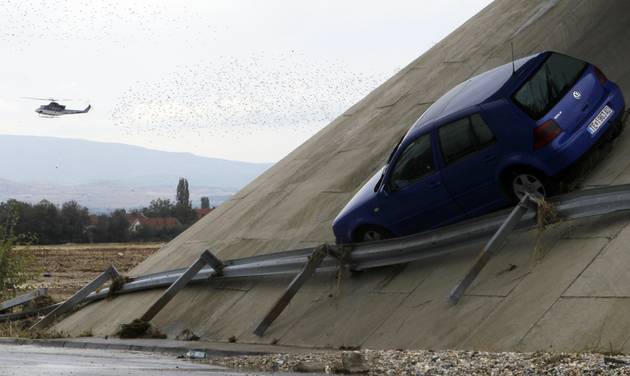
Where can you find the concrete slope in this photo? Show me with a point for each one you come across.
(573, 298)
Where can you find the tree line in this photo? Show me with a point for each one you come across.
(46, 223)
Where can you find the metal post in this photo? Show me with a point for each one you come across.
(205, 258)
(23, 299)
(492, 247)
(314, 260)
(78, 297)
(22, 315)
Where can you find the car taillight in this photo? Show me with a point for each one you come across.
(545, 133)
(601, 77)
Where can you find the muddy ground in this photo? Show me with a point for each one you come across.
(64, 269)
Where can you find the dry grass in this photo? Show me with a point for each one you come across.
(65, 269)
(20, 329)
(546, 214)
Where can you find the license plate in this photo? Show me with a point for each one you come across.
(600, 119)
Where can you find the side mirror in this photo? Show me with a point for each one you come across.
(387, 189)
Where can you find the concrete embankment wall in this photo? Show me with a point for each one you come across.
(577, 297)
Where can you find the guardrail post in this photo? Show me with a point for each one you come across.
(314, 260)
(206, 258)
(109, 273)
(23, 299)
(492, 247)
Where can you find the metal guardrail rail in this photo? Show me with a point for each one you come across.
(388, 252)
(362, 256)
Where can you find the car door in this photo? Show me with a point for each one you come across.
(418, 200)
(469, 154)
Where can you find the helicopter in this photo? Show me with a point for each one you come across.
(55, 109)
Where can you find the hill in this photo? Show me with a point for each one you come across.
(105, 175)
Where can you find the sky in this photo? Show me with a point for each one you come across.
(233, 79)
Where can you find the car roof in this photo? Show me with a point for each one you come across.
(472, 92)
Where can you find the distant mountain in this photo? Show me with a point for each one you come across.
(30, 159)
(108, 175)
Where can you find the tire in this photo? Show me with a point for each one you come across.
(371, 233)
(521, 181)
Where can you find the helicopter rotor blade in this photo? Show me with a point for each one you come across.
(40, 99)
(50, 99)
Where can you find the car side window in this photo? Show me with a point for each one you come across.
(415, 162)
(482, 131)
(463, 137)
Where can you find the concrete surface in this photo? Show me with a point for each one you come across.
(572, 299)
(171, 346)
(39, 361)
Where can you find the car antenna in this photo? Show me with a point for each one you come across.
(512, 46)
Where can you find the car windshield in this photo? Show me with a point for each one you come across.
(548, 84)
(414, 163)
(384, 170)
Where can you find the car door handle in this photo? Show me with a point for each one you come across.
(434, 184)
(488, 158)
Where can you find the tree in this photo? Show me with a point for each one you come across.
(183, 207)
(118, 226)
(205, 202)
(74, 220)
(46, 223)
(183, 195)
(160, 207)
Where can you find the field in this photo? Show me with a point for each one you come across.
(64, 269)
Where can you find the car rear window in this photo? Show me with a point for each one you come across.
(548, 84)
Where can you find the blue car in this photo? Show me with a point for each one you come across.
(484, 144)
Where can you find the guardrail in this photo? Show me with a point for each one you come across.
(363, 256)
(399, 250)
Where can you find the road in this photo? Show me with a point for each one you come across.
(21, 360)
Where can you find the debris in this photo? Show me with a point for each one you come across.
(139, 329)
(232, 339)
(443, 362)
(353, 362)
(616, 362)
(507, 270)
(40, 302)
(194, 354)
(187, 335)
(349, 348)
(117, 283)
(546, 214)
(310, 367)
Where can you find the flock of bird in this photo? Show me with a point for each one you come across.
(233, 96)
(217, 95)
(93, 21)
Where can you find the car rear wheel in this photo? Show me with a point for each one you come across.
(371, 233)
(526, 181)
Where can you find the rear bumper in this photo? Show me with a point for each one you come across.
(561, 158)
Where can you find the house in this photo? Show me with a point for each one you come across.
(202, 212)
(154, 223)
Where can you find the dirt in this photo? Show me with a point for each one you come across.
(139, 329)
(64, 269)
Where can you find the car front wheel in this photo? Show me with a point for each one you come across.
(534, 183)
